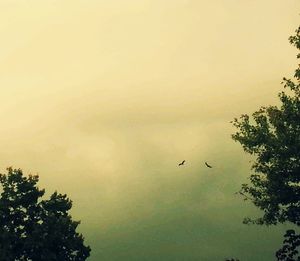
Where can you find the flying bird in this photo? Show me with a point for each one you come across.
(208, 165)
(180, 164)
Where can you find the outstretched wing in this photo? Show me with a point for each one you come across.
(207, 165)
(180, 164)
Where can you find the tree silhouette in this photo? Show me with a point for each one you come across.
(289, 250)
(272, 135)
(35, 229)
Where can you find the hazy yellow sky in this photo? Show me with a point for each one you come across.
(104, 98)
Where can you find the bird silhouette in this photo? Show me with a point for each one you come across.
(180, 164)
(207, 165)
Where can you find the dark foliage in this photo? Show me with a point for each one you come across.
(35, 229)
(272, 135)
(289, 250)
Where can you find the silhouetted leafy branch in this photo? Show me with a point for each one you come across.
(36, 229)
(289, 251)
(272, 135)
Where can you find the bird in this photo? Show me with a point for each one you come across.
(180, 164)
(207, 165)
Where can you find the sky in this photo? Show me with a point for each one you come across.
(103, 99)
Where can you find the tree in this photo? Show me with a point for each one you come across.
(36, 229)
(289, 250)
(272, 135)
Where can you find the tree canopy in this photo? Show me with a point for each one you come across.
(272, 134)
(36, 229)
